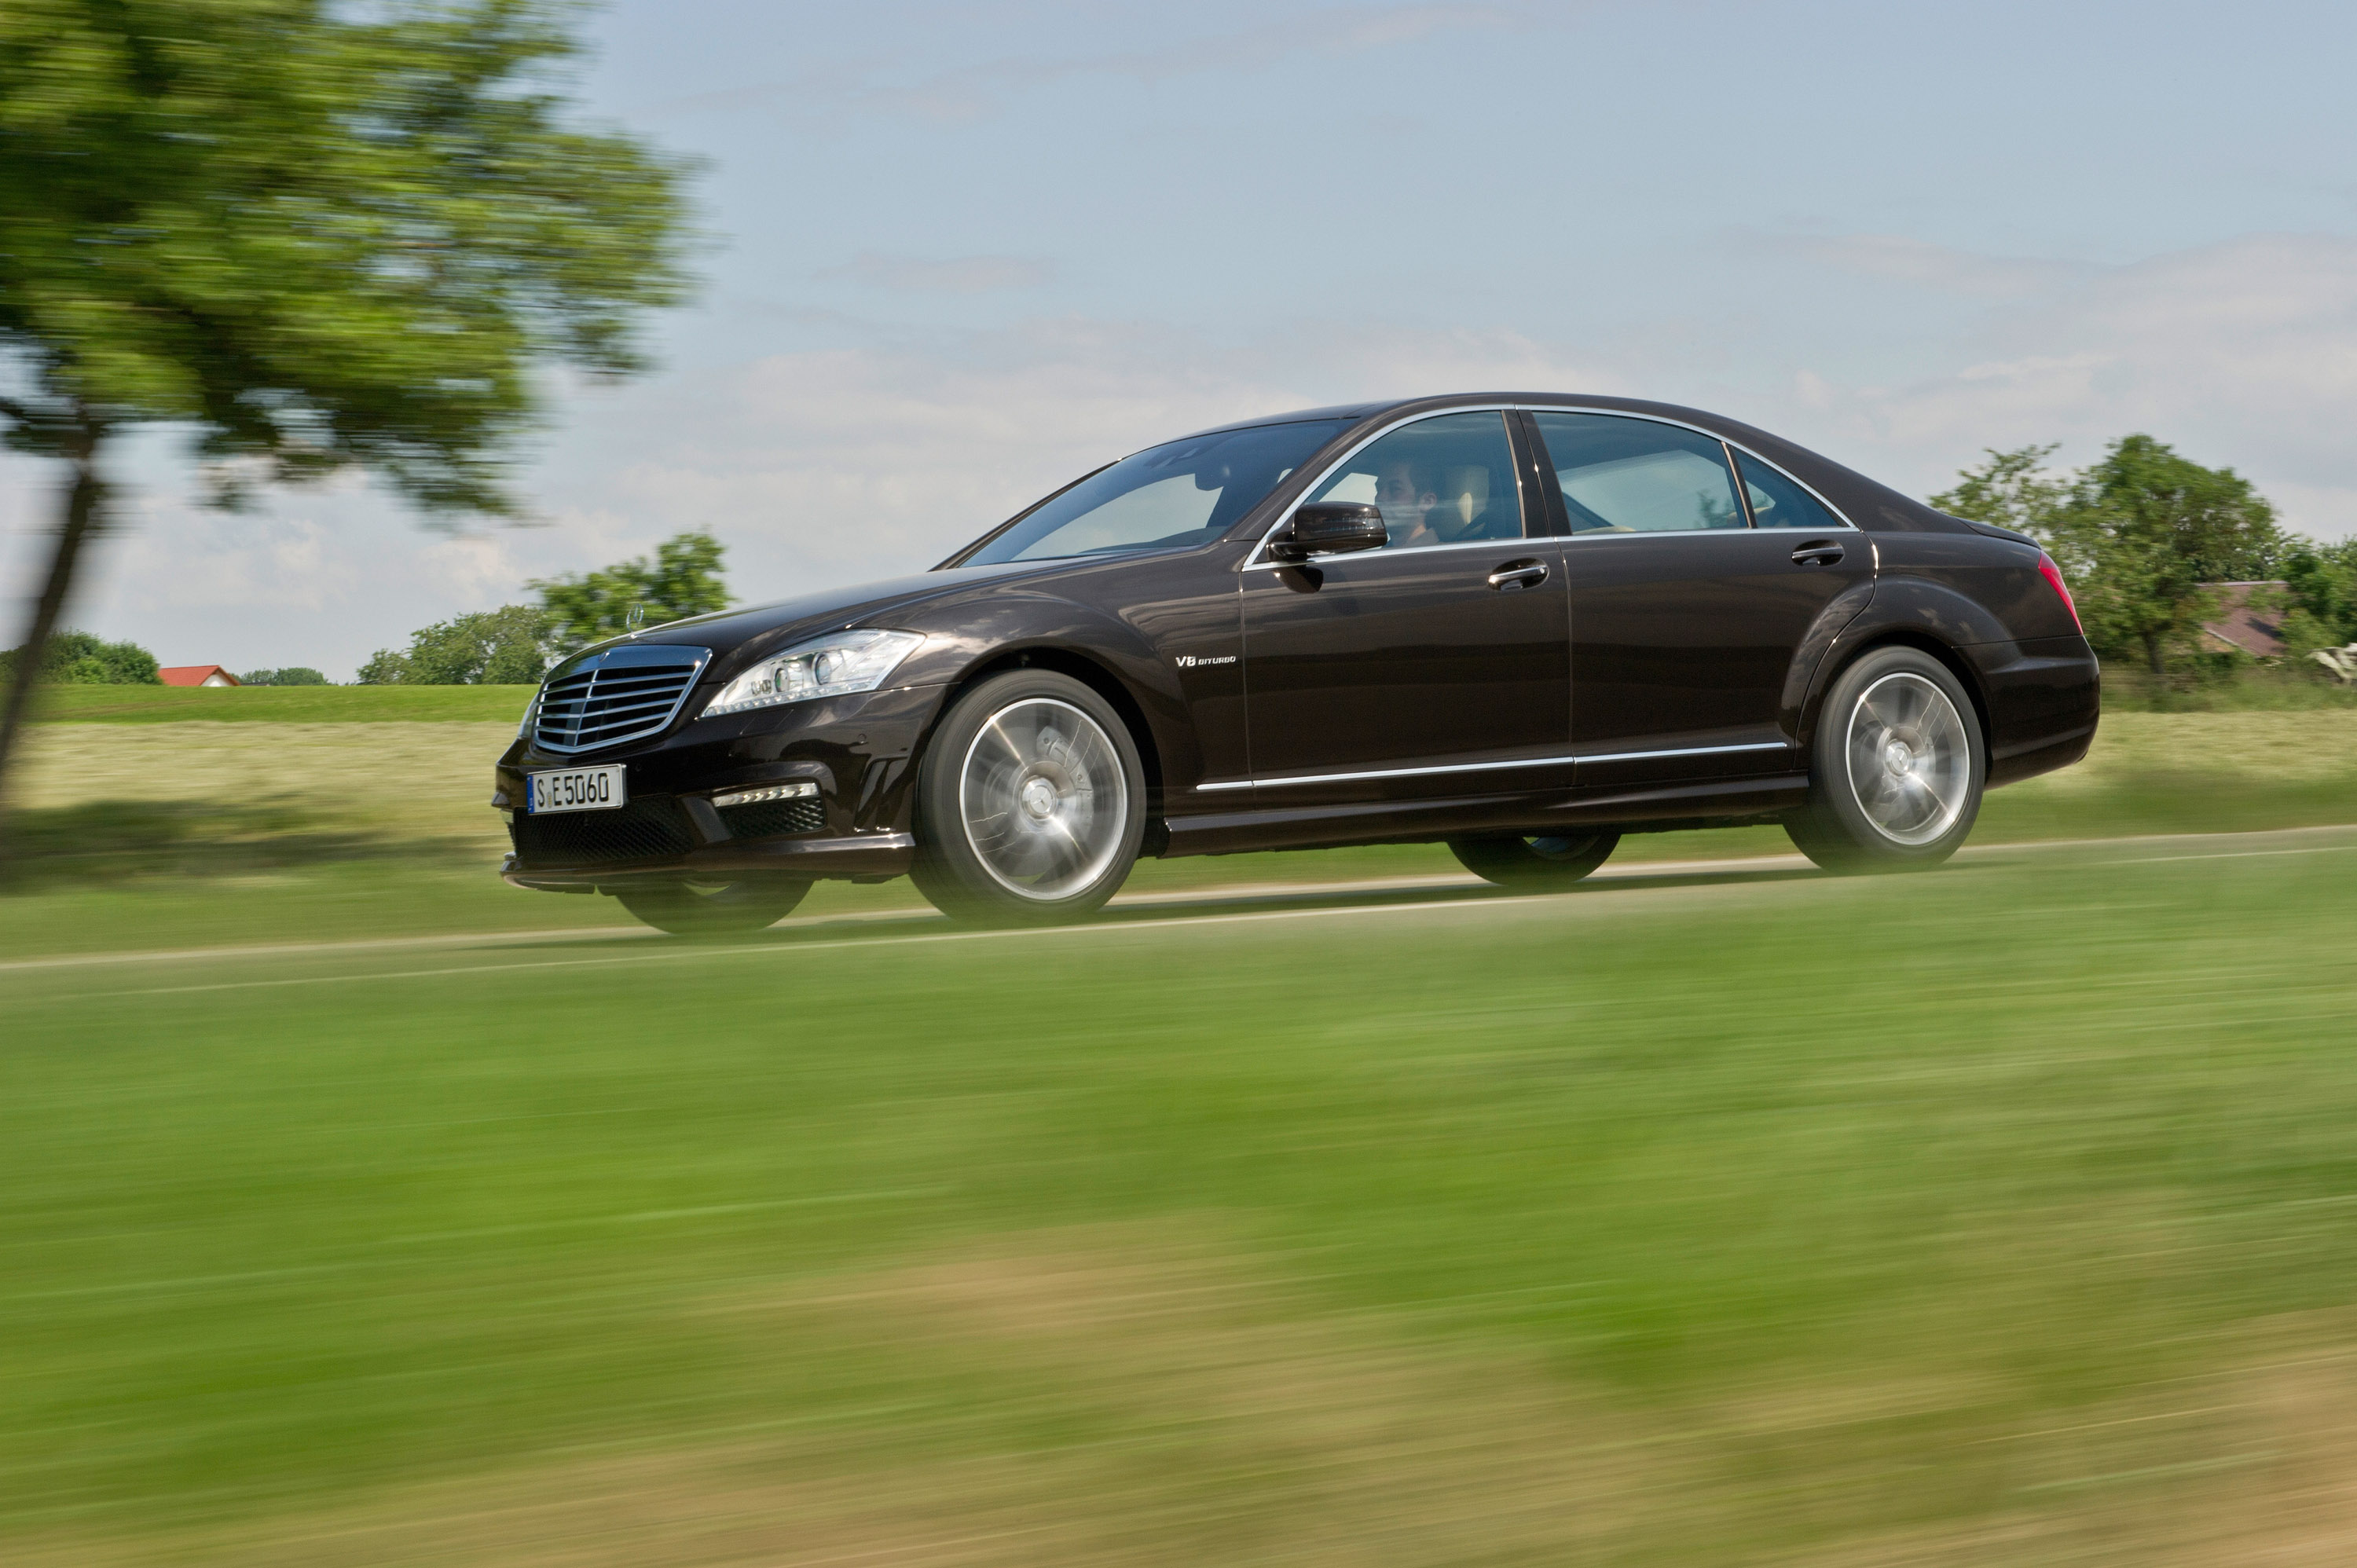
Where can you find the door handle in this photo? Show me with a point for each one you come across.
(1817, 553)
(1519, 574)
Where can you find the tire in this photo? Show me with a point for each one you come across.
(1030, 802)
(1896, 769)
(687, 909)
(1533, 865)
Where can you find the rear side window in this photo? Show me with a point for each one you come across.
(1448, 480)
(1633, 475)
(1778, 502)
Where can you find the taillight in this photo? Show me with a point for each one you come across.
(2053, 576)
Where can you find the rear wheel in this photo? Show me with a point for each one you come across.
(1534, 864)
(698, 909)
(1030, 802)
(1896, 769)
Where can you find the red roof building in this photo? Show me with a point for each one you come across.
(2257, 632)
(195, 675)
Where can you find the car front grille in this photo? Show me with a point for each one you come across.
(620, 694)
(768, 819)
(646, 828)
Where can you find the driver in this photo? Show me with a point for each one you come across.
(1407, 499)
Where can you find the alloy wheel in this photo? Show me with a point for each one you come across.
(1043, 800)
(1910, 760)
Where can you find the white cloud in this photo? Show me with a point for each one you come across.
(1938, 267)
(2243, 353)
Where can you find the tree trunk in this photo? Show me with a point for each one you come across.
(85, 499)
(2152, 653)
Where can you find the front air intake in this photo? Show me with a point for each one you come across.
(615, 695)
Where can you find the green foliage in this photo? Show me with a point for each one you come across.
(683, 579)
(2322, 582)
(2012, 489)
(321, 235)
(505, 646)
(294, 675)
(78, 659)
(2137, 535)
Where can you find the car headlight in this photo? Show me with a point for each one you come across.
(831, 666)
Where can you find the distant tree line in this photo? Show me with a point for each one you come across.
(78, 659)
(511, 646)
(515, 644)
(2140, 532)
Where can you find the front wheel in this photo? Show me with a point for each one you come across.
(1533, 865)
(1030, 802)
(694, 909)
(1896, 769)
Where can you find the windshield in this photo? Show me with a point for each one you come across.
(1164, 497)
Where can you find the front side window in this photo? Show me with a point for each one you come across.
(1444, 481)
(1778, 502)
(1164, 497)
(1633, 475)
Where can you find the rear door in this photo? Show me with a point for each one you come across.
(1437, 665)
(1690, 598)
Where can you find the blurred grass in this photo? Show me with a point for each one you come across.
(2001, 1215)
(282, 704)
(2225, 683)
(301, 831)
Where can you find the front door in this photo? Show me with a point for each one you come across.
(1692, 606)
(1437, 665)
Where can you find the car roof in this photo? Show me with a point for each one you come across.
(1351, 411)
(1867, 502)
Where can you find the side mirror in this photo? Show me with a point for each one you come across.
(1329, 528)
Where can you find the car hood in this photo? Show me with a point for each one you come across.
(740, 635)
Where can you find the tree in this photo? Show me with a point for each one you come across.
(2160, 526)
(2012, 489)
(78, 659)
(318, 236)
(506, 646)
(683, 579)
(2137, 534)
(2321, 580)
(292, 675)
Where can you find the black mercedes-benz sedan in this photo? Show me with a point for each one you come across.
(1523, 625)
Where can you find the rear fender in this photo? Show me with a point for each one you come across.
(1908, 612)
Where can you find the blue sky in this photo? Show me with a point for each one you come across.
(958, 253)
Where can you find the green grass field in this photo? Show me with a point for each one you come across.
(2002, 1214)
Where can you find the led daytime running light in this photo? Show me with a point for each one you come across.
(771, 792)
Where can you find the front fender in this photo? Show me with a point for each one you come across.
(1058, 629)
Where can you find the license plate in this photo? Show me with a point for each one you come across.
(575, 789)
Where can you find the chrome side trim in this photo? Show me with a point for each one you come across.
(1492, 767)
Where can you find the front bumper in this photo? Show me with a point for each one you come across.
(858, 751)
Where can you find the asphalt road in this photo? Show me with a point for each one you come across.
(1441, 898)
